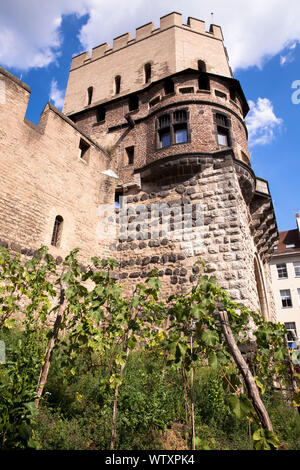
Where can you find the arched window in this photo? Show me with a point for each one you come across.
(57, 231)
(117, 84)
(90, 94)
(147, 69)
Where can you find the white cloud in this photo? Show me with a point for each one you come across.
(30, 34)
(56, 95)
(289, 56)
(262, 122)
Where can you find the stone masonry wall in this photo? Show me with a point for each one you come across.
(222, 239)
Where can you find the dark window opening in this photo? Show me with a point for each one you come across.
(168, 86)
(221, 95)
(90, 94)
(232, 93)
(147, 69)
(203, 82)
(186, 90)
(201, 66)
(117, 84)
(133, 103)
(84, 148)
(57, 231)
(118, 198)
(100, 113)
(154, 101)
(130, 155)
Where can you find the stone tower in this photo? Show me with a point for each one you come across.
(168, 107)
(168, 116)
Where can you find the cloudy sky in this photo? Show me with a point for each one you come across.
(38, 39)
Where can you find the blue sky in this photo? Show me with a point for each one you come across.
(38, 40)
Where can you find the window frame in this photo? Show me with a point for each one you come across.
(222, 128)
(297, 263)
(280, 266)
(285, 298)
(169, 123)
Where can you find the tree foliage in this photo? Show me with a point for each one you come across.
(93, 315)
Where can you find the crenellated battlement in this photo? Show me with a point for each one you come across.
(143, 32)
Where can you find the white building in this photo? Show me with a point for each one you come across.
(285, 273)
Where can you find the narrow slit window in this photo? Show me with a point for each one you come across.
(130, 155)
(118, 199)
(57, 231)
(117, 84)
(90, 94)
(148, 71)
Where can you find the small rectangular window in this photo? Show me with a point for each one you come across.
(290, 245)
(130, 155)
(221, 95)
(100, 114)
(168, 86)
(184, 90)
(133, 103)
(297, 268)
(154, 101)
(286, 299)
(203, 82)
(282, 271)
(83, 150)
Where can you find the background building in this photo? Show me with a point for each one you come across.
(285, 272)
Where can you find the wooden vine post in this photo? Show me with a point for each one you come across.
(56, 328)
(246, 373)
